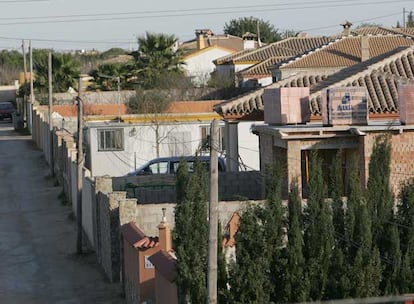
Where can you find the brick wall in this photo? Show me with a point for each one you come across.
(402, 156)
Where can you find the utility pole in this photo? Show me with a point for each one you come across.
(213, 216)
(403, 25)
(118, 78)
(52, 165)
(25, 116)
(80, 169)
(32, 99)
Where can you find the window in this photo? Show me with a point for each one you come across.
(111, 140)
(159, 168)
(205, 139)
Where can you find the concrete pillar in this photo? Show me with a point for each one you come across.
(114, 202)
(232, 145)
(294, 164)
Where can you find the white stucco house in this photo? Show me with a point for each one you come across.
(117, 148)
(199, 65)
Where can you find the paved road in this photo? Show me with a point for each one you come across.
(38, 260)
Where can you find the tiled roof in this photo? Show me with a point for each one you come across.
(165, 264)
(202, 106)
(134, 236)
(226, 41)
(347, 51)
(380, 75)
(379, 30)
(252, 101)
(285, 48)
(261, 68)
(90, 109)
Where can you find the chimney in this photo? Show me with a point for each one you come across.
(347, 28)
(201, 38)
(249, 41)
(364, 48)
(164, 233)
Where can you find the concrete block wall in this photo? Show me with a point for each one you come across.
(244, 185)
(148, 216)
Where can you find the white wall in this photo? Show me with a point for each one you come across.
(248, 146)
(140, 146)
(201, 65)
(87, 212)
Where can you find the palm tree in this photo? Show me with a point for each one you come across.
(157, 60)
(106, 76)
(65, 67)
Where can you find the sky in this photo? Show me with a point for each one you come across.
(102, 24)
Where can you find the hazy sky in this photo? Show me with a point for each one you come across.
(88, 24)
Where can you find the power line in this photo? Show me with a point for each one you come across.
(355, 21)
(201, 12)
(23, 1)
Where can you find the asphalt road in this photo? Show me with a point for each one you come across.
(38, 260)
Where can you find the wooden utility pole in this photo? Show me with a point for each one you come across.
(25, 116)
(52, 165)
(403, 25)
(80, 169)
(32, 98)
(213, 216)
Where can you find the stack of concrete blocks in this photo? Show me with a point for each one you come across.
(286, 106)
(406, 103)
(345, 106)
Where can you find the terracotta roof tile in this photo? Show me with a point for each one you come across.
(226, 41)
(285, 48)
(202, 106)
(90, 109)
(380, 75)
(261, 68)
(134, 236)
(347, 51)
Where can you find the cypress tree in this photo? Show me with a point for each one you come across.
(379, 196)
(364, 262)
(338, 282)
(296, 284)
(191, 235)
(381, 202)
(319, 239)
(272, 216)
(405, 218)
(249, 275)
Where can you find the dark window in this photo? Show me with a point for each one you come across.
(111, 140)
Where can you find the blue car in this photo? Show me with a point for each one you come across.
(169, 165)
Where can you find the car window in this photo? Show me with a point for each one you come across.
(159, 168)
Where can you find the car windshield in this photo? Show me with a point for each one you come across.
(6, 106)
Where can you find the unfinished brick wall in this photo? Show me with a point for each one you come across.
(402, 156)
